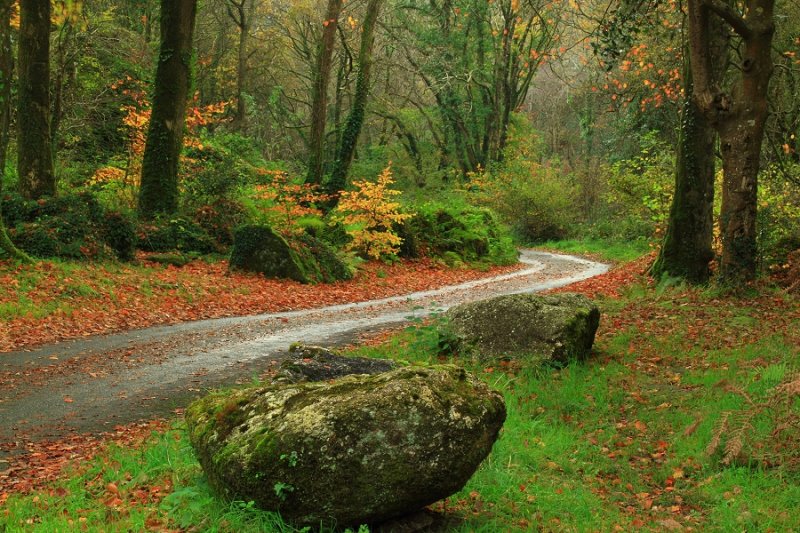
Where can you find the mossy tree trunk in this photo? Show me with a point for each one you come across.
(739, 116)
(687, 250)
(34, 148)
(355, 120)
(319, 102)
(6, 75)
(159, 189)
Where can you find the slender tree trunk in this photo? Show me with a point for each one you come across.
(34, 152)
(238, 12)
(739, 117)
(687, 250)
(355, 120)
(319, 102)
(159, 189)
(6, 77)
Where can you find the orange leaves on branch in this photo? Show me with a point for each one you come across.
(369, 213)
(288, 202)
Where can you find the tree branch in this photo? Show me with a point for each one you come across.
(727, 13)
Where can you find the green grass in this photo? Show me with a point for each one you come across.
(615, 251)
(617, 443)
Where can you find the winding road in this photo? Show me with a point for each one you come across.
(91, 385)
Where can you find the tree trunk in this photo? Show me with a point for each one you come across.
(355, 120)
(238, 12)
(6, 77)
(687, 250)
(159, 189)
(319, 103)
(739, 118)
(34, 152)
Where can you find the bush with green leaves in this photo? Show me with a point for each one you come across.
(74, 226)
(457, 233)
(639, 192)
(178, 233)
(778, 213)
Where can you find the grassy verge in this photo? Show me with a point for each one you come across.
(688, 416)
(614, 251)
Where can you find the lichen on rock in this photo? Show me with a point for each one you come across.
(537, 328)
(361, 449)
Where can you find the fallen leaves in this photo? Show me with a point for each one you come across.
(33, 465)
(49, 302)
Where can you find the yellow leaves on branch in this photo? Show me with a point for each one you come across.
(369, 213)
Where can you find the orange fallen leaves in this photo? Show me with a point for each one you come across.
(100, 299)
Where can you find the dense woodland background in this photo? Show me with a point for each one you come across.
(563, 118)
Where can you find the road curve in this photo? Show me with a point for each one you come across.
(93, 384)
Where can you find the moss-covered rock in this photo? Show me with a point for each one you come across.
(361, 449)
(458, 234)
(261, 249)
(554, 328)
(306, 259)
(315, 363)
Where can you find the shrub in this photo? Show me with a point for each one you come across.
(177, 233)
(471, 233)
(537, 201)
(370, 215)
(119, 233)
(71, 226)
(220, 218)
(778, 215)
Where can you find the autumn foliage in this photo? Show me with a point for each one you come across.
(369, 212)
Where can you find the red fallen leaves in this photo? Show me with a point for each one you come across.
(44, 462)
(100, 299)
(612, 282)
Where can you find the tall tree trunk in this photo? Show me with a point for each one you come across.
(739, 118)
(159, 189)
(34, 152)
(238, 12)
(6, 75)
(687, 250)
(319, 102)
(355, 120)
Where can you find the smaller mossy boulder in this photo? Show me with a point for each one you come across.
(361, 449)
(259, 248)
(315, 363)
(547, 328)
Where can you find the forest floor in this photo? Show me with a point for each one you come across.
(686, 418)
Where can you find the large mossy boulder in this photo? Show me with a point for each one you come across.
(260, 249)
(361, 449)
(550, 328)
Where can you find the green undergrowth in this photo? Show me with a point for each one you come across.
(609, 250)
(636, 439)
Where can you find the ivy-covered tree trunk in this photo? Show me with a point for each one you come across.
(355, 120)
(6, 75)
(34, 149)
(687, 250)
(739, 116)
(159, 188)
(319, 102)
